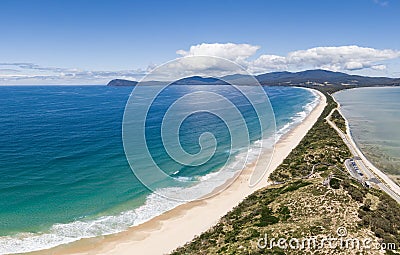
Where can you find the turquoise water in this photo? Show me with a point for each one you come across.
(64, 171)
(374, 119)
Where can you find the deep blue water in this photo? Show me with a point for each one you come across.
(64, 174)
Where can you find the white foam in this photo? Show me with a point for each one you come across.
(66, 233)
(154, 205)
(183, 178)
(300, 116)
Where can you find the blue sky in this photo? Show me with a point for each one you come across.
(107, 39)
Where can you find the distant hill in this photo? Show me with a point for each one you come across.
(322, 78)
(198, 80)
(121, 82)
(240, 79)
(309, 78)
(194, 80)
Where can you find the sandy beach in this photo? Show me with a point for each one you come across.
(174, 228)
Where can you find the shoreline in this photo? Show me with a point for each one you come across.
(379, 173)
(186, 221)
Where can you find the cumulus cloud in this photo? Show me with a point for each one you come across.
(197, 65)
(231, 51)
(215, 59)
(268, 63)
(379, 67)
(342, 58)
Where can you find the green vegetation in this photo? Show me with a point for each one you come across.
(295, 209)
(339, 121)
(384, 220)
(305, 205)
(320, 145)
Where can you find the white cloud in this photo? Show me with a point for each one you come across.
(195, 65)
(231, 51)
(29, 73)
(268, 62)
(379, 67)
(343, 58)
(215, 59)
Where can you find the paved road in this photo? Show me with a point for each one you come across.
(365, 166)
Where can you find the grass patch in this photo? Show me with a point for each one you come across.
(301, 208)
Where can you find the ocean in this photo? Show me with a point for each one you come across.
(64, 173)
(374, 120)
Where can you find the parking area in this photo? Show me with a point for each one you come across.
(353, 169)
